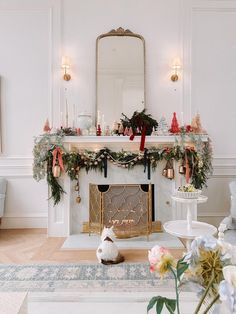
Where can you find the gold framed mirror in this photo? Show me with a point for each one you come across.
(120, 75)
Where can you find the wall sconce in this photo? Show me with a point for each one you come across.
(65, 64)
(174, 77)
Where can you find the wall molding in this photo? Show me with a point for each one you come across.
(26, 214)
(23, 222)
(22, 166)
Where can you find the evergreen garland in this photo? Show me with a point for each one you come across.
(199, 160)
(56, 189)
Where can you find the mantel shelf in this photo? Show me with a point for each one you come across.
(168, 139)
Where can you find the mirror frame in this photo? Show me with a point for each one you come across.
(119, 32)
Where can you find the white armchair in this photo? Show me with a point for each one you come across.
(227, 228)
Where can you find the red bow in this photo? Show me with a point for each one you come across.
(57, 156)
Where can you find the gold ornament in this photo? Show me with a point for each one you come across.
(164, 172)
(170, 173)
(56, 171)
(181, 169)
(78, 199)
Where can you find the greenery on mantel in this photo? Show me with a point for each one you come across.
(198, 157)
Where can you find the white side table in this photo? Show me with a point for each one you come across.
(190, 203)
(189, 229)
(180, 229)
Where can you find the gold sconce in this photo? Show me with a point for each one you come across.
(175, 76)
(65, 64)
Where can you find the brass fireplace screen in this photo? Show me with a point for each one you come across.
(128, 207)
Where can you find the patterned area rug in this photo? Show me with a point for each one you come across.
(81, 277)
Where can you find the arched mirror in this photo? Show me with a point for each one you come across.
(120, 75)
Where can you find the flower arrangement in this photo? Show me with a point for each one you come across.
(187, 188)
(209, 266)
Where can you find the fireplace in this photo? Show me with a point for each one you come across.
(126, 207)
(69, 217)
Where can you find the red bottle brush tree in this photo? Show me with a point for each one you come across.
(174, 128)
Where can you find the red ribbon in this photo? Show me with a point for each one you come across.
(143, 137)
(57, 155)
(187, 169)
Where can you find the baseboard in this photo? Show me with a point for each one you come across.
(23, 222)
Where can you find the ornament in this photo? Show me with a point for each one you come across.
(181, 169)
(126, 131)
(164, 172)
(78, 199)
(57, 163)
(107, 131)
(163, 128)
(115, 127)
(121, 129)
(174, 124)
(46, 127)
(99, 131)
(188, 128)
(56, 171)
(92, 131)
(170, 173)
(130, 131)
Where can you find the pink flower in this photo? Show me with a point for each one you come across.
(160, 259)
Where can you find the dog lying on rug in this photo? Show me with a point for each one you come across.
(107, 252)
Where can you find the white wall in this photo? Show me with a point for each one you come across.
(34, 35)
(26, 70)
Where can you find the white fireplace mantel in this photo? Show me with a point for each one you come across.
(62, 216)
(123, 142)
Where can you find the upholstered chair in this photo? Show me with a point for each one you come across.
(227, 228)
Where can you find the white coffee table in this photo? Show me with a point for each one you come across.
(182, 230)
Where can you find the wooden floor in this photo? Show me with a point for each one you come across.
(27, 246)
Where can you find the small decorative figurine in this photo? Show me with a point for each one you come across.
(99, 131)
(163, 128)
(46, 127)
(126, 131)
(196, 124)
(121, 129)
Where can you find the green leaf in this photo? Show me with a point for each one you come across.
(170, 305)
(159, 305)
(181, 267)
(151, 303)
